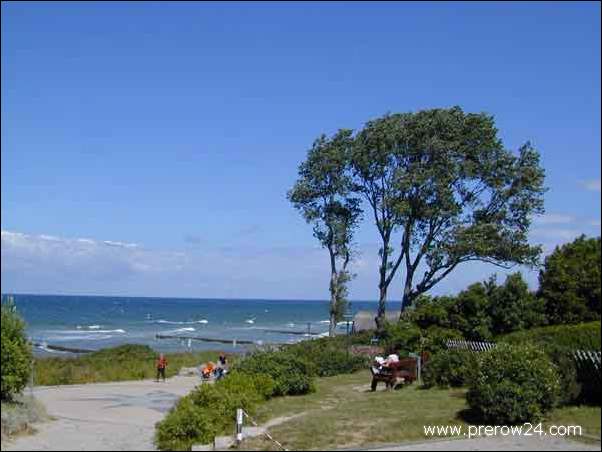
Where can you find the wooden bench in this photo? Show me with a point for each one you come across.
(403, 372)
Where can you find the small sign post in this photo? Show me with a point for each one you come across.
(239, 418)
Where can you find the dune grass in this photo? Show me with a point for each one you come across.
(342, 413)
(19, 415)
(126, 362)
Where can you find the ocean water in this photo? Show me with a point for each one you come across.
(92, 322)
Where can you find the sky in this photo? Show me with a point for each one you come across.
(147, 147)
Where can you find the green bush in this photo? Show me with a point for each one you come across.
(329, 356)
(210, 410)
(450, 368)
(291, 374)
(401, 338)
(568, 374)
(513, 384)
(434, 339)
(585, 336)
(580, 383)
(570, 282)
(16, 353)
(512, 306)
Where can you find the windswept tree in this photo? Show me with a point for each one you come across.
(323, 194)
(444, 181)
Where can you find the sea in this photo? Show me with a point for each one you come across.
(96, 322)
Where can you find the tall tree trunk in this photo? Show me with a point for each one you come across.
(408, 296)
(380, 314)
(333, 293)
(382, 286)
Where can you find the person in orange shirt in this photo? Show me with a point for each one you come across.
(161, 366)
(208, 370)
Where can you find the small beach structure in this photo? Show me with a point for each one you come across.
(364, 320)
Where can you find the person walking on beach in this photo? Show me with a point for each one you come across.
(161, 366)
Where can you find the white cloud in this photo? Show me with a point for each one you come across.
(120, 244)
(592, 185)
(555, 233)
(551, 218)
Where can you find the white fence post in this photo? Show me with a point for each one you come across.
(239, 418)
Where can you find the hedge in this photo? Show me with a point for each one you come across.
(584, 336)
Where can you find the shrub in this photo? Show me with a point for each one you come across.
(186, 424)
(328, 356)
(434, 339)
(16, 353)
(20, 414)
(210, 410)
(570, 282)
(568, 377)
(450, 368)
(432, 311)
(401, 337)
(513, 307)
(513, 385)
(469, 314)
(585, 336)
(291, 374)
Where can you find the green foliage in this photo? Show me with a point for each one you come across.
(432, 311)
(513, 385)
(570, 282)
(580, 382)
(483, 309)
(434, 338)
(469, 313)
(444, 178)
(16, 352)
(568, 375)
(585, 336)
(512, 307)
(292, 375)
(329, 355)
(210, 410)
(450, 368)
(341, 294)
(125, 362)
(323, 194)
(401, 337)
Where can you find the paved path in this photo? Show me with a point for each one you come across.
(103, 416)
(497, 443)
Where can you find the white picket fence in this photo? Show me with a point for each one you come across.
(473, 346)
(593, 358)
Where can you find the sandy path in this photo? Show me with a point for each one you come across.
(103, 416)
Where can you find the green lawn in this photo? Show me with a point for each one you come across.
(343, 413)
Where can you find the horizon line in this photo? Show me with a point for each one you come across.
(184, 298)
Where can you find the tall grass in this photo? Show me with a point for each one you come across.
(126, 362)
(19, 414)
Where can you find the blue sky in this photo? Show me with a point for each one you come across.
(147, 147)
